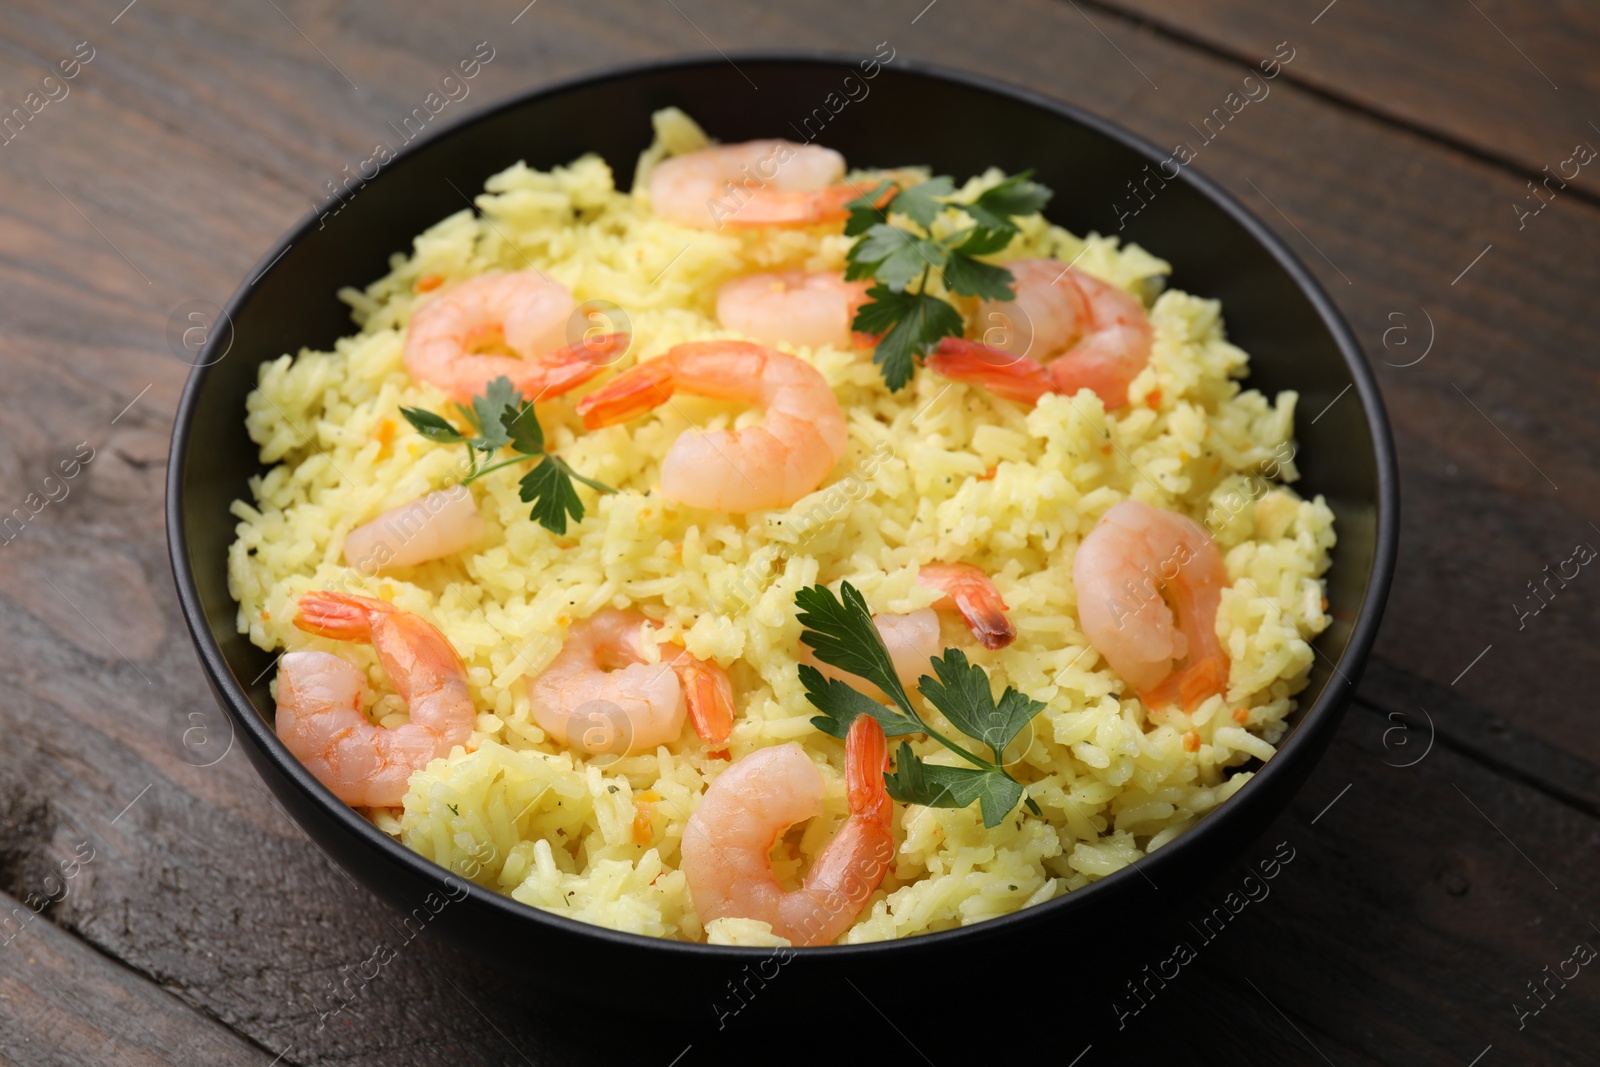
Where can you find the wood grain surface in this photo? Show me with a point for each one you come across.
(1479, 75)
(1445, 849)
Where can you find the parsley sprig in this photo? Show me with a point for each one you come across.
(912, 320)
(841, 632)
(501, 418)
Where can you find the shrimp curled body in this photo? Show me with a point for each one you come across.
(792, 307)
(756, 183)
(319, 714)
(439, 524)
(728, 839)
(768, 465)
(1135, 560)
(601, 678)
(525, 309)
(1065, 331)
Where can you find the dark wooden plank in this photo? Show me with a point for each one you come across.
(1418, 712)
(1509, 82)
(64, 1005)
(198, 132)
(1373, 946)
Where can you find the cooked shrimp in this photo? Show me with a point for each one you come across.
(431, 527)
(970, 591)
(757, 183)
(912, 639)
(1136, 560)
(526, 310)
(792, 306)
(319, 699)
(1065, 331)
(728, 840)
(601, 679)
(769, 465)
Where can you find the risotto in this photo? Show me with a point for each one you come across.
(981, 475)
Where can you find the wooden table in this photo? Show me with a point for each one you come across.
(1445, 850)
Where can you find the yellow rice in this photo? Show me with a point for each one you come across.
(937, 471)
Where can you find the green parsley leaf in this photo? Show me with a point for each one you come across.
(915, 781)
(566, 468)
(961, 692)
(841, 703)
(909, 262)
(995, 208)
(863, 257)
(911, 324)
(432, 426)
(523, 432)
(864, 210)
(894, 256)
(884, 310)
(1000, 795)
(971, 277)
(980, 241)
(500, 417)
(549, 489)
(489, 409)
(841, 632)
(922, 201)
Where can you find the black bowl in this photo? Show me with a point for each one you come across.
(958, 124)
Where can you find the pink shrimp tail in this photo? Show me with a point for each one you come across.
(1002, 373)
(628, 395)
(866, 758)
(341, 616)
(970, 592)
(709, 694)
(852, 865)
(565, 369)
(1189, 687)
